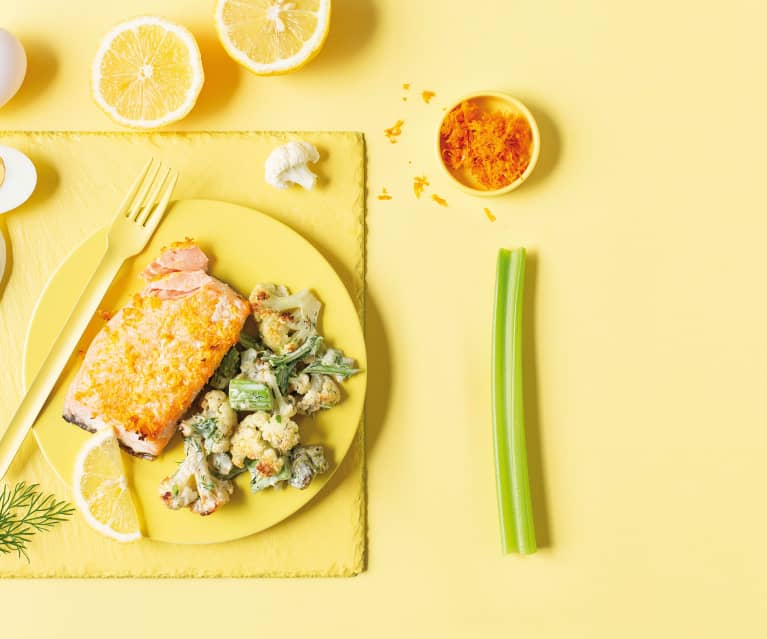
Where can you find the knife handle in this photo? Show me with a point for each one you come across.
(46, 378)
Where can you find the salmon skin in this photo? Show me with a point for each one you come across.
(145, 367)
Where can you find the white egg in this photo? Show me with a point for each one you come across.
(13, 65)
(18, 178)
(2, 257)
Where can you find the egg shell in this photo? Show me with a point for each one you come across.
(20, 179)
(13, 65)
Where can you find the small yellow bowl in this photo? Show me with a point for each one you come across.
(492, 101)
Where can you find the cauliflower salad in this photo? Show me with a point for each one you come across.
(246, 415)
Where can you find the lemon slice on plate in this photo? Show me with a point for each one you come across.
(272, 36)
(101, 490)
(147, 73)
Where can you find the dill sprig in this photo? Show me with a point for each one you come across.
(25, 511)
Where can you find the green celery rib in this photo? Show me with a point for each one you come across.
(512, 482)
(247, 395)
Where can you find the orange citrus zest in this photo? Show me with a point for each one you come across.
(394, 132)
(419, 184)
(493, 147)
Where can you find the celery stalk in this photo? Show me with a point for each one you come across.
(247, 395)
(512, 482)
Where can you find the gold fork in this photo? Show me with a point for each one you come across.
(136, 220)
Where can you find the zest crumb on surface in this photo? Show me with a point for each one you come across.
(439, 200)
(427, 96)
(384, 195)
(394, 132)
(419, 184)
(406, 86)
(105, 315)
(489, 214)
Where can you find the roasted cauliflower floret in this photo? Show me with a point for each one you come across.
(300, 384)
(270, 463)
(270, 471)
(284, 321)
(281, 433)
(323, 393)
(180, 489)
(276, 330)
(247, 442)
(213, 492)
(215, 422)
(258, 433)
(193, 484)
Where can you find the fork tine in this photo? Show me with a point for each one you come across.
(158, 212)
(152, 197)
(134, 188)
(141, 200)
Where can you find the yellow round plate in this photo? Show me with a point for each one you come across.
(245, 247)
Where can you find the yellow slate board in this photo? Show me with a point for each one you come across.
(86, 172)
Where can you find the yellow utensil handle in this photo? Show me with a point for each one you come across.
(46, 378)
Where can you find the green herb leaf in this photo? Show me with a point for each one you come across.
(25, 511)
(226, 370)
(249, 341)
(205, 426)
(309, 347)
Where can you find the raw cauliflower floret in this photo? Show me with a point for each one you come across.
(323, 393)
(215, 422)
(288, 164)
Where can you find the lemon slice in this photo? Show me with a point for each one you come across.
(101, 490)
(147, 73)
(272, 36)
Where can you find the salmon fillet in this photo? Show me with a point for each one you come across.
(145, 367)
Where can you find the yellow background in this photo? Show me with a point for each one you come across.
(647, 351)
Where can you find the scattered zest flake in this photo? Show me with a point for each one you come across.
(419, 184)
(394, 132)
(105, 315)
(490, 215)
(427, 96)
(494, 148)
(384, 195)
(406, 86)
(439, 200)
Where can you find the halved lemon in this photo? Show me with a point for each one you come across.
(273, 36)
(101, 489)
(147, 72)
